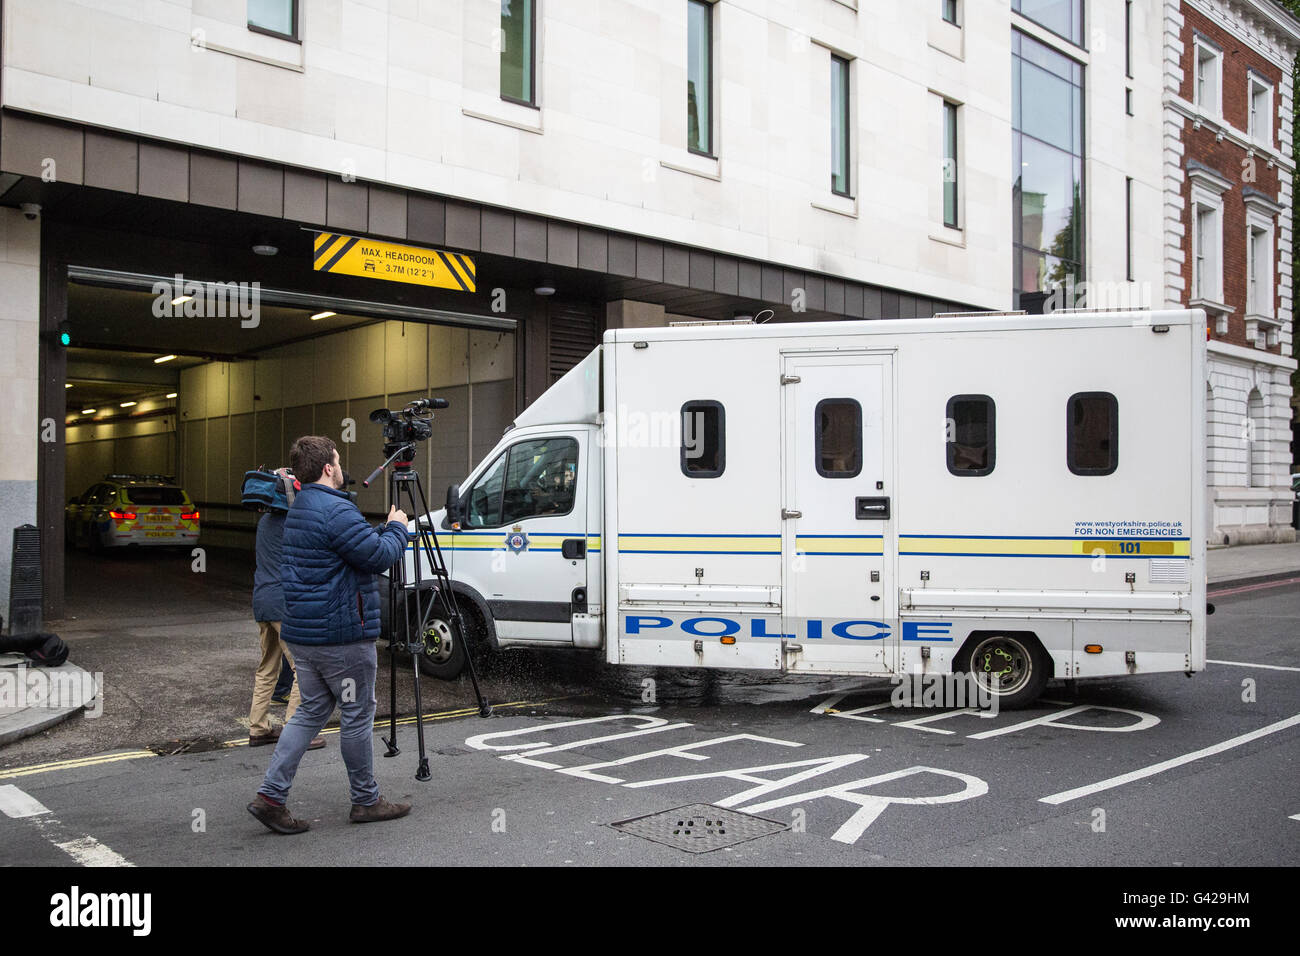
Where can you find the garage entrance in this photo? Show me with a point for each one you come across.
(203, 405)
(196, 356)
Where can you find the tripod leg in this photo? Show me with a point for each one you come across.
(417, 647)
(394, 583)
(429, 537)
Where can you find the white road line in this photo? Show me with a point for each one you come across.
(1267, 667)
(1067, 795)
(85, 850)
(90, 852)
(1294, 816)
(17, 804)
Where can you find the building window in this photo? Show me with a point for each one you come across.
(1062, 17)
(518, 49)
(1047, 174)
(277, 17)
(699, 77)
(1256, 447)
(1259, 270)
(1261, 111)
(1128, 228)
(1092, 433)
(950, 11)
(971, 432)
(950, 165)
(1206, 91)
(838, 424)
(704, 439)
(1128, 38)
(1206, 273)
(840, 152)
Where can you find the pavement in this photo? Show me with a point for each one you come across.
(181, 664)
(33, 699)
(1252, 563)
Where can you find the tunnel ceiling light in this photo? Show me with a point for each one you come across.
(322, 315)
(67, 385)
(127, 404)
(181, 298)
(89, 411)
(163, 358)
(171, 394)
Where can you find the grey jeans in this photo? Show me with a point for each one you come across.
(329, 675)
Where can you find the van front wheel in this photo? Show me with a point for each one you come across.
(444, 651)
(1014, 667)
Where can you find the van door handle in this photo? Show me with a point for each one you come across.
(871, 509)
(574, 548)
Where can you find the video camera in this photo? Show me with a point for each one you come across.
(405, 426)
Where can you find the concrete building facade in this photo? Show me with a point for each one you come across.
(608, 163)
(1229, 126)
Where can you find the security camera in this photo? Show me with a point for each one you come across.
(31, 210)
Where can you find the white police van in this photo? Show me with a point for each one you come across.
(1016, 496)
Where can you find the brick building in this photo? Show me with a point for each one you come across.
(1228, 135)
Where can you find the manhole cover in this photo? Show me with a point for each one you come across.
(699, 827)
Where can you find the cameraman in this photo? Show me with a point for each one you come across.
(332, 620)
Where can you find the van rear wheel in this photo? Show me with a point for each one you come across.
(1014, 667)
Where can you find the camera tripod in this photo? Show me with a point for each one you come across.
(405, 488)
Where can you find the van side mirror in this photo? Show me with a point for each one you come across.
(454, 515)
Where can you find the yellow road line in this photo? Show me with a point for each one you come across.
(74, 763)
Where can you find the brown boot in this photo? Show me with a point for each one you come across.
(381, 809)
(276, 816)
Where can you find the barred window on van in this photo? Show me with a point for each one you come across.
(970, 433)
(1092, 433)
(704, 439)
(838, 431)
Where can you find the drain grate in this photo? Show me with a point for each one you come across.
(699, 827)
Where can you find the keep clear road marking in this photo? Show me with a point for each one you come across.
(1266, 667)
(1067, 795)
(85, 850)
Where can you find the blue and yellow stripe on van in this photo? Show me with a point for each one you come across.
(766, 544)
(840, 545)
(495, 540)
(831, 545)
(1035, 546)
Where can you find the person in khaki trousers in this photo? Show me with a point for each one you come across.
(268, 610)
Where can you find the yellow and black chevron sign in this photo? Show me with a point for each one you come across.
(372, 259)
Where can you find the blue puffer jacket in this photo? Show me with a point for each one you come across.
(331, 556)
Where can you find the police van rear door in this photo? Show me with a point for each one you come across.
(838, 539)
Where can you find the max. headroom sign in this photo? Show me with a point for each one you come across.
(77, 909)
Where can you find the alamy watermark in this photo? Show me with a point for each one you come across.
(961, 691)
(40, 687)
(655, 429)
(186, 298)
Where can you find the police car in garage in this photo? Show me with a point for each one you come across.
(150, 510)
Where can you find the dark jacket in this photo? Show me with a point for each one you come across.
(331, 556)
(268, 596)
